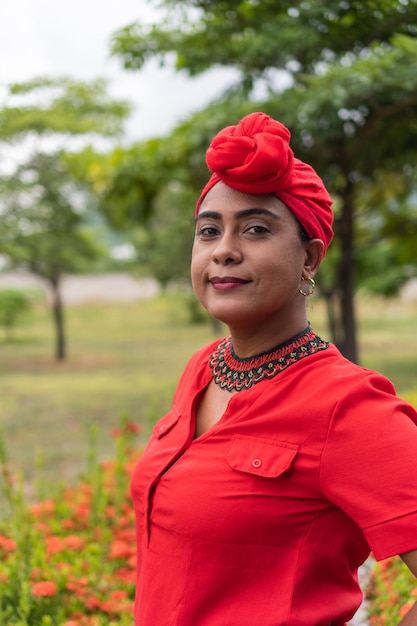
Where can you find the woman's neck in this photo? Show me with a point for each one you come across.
(251, 341)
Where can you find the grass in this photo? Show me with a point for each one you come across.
(121, 359)
(388, 340)
(127, 358)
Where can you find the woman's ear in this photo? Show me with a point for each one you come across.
(314, 254)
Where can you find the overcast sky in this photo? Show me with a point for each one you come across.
(53, 38)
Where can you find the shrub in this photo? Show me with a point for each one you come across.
(69, 560)
(391, 592)
(13, 303)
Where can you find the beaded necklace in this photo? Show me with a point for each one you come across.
(234, 374)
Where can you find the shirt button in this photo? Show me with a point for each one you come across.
(256, 463)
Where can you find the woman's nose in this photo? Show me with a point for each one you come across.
(227, 250)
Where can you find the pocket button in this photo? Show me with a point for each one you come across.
(256, 463)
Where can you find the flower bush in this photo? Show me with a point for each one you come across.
(391, 592)
(69, 560)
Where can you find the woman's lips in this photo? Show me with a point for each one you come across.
(227, 282)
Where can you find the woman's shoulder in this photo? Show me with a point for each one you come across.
(335, 370)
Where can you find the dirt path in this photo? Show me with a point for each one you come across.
(88, 288)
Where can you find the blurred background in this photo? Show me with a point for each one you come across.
(105, 116)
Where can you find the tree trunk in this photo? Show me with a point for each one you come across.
(58, 317)
(341, 301)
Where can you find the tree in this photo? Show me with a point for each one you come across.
(45, 204)
(149, 190)
(351, 101)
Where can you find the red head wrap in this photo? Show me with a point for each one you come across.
(255, 157)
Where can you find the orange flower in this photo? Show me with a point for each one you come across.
(82, 511)
(35, 573)
(77, 616)
(385, 564)
(126, 534)
(120, 550)
(78, 587)
(73, 542)
(125, 521)
(47, 506)
(93, 603)
(126, 575)
(115, 606)
(68, 524)
(85, 489)
(43, 528)
(131, 561)
(405, 608)
(54, 544)
(110, 512)
(118, 594)
(133, 428)
(44, 588)
(7, 544)
(130, 428)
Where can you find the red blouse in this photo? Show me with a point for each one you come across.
(265, 518)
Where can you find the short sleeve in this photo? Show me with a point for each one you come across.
(369, 464)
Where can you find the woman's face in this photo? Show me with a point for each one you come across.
(248, 259)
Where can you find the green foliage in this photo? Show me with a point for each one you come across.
(164, 247)
(127, 181)
(350, 71)
(61, 105)
(44, 218)
(13, 304)
(391, 592)
(46, 205)
(256, 37)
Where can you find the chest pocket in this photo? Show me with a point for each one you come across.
(261, 457)
(166, 423)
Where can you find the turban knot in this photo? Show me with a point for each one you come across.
(255, 157)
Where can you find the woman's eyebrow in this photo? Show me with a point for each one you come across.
(215, 215)
(212, 215)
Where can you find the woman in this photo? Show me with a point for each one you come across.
(281, 464)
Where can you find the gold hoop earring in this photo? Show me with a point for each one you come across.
(309, 286)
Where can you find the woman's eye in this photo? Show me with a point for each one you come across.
(257, 229)
(208, 231)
